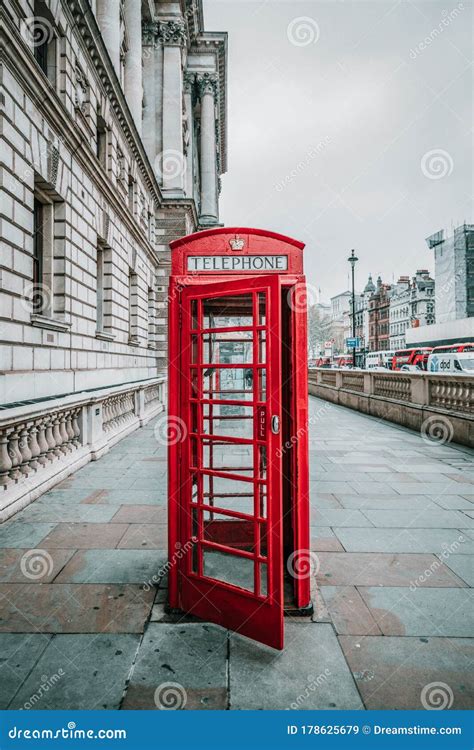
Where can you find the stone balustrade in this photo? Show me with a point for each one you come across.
(43, 442)
(415, 400)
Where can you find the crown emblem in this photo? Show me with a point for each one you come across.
(237, 243)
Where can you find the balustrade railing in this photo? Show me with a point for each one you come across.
(43, 442)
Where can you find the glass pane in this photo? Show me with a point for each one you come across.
(194, 313)
(262, 532)
(231, 532)
(263, 580)
(227, 312)
(262, 347)
(229, 494)
(227, 383)
(228, 457)
(194, 349)
(232, 421)
(223, 566)
(262, 385)
(234, 347)
(262, 308)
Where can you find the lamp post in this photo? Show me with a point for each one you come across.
(353, 260)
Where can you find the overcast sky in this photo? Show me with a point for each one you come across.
(350, 125)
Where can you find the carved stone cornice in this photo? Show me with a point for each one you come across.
(172, 33)
(189, 80)
(150, 31)
(206, 83)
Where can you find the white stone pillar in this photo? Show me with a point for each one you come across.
(189, 79)
(149, 47)
(173, 164)
(133, 61)
(108, 18)
(207, 89)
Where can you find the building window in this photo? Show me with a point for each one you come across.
(101, 141)
(44, 40)
(43, 254)
(132, 307)
(151, 318)
(100, 290)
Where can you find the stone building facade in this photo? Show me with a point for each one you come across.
(412, 304)
(379, 317)
(114, 141)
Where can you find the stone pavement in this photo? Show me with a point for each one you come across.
(393, 537)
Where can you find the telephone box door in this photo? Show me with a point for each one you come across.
(230, 508)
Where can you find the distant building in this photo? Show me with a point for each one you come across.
(454, 296)
(340, 304)
(379, 318)
(454, 273)
(411, 305)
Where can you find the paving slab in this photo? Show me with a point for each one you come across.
(400, 540)
(114, 566)
(392, 673)
(85, 535)
(381, 569)
(454, 502)
(422, 519)
(348, 611)
(323, 538)
(57, 512)
(72, 608)
(79, 672)
(422, 611)
(387, 502)
(369, 488)
(326, 500)
(153, 496)
(311, 673)
(19, 533)
(339, 517)
(39, 565)
(181, 667)
(145, 535)
(19, 654)
(436, 489)
(141, 514)
(462, 565)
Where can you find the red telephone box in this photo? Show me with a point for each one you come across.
(238, 445)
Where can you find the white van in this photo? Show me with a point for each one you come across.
(456, 360)
(379, 359)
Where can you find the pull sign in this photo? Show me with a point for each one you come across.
(275, 424)
(261, 422)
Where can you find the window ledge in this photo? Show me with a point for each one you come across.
(52, 324)
(105, 336)
(134, 341)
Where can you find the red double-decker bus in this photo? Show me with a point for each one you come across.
(417, 357)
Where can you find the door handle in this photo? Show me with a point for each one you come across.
(275, 424)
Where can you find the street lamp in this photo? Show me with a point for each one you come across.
(353, 260)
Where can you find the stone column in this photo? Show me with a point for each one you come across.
(189, 79)
(172, 35)
(108, 18)
(133, 61)
(207, 83)
(149, 124)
